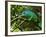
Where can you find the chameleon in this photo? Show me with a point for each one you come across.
(29, 14)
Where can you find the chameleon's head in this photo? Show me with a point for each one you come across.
(26, 13)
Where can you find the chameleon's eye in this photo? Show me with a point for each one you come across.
(24, 12)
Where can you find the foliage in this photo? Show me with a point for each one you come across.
(25, 18)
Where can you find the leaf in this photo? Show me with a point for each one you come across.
(16, 30)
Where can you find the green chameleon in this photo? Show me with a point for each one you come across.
(30, 15)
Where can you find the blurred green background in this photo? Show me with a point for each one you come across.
(26, 18)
